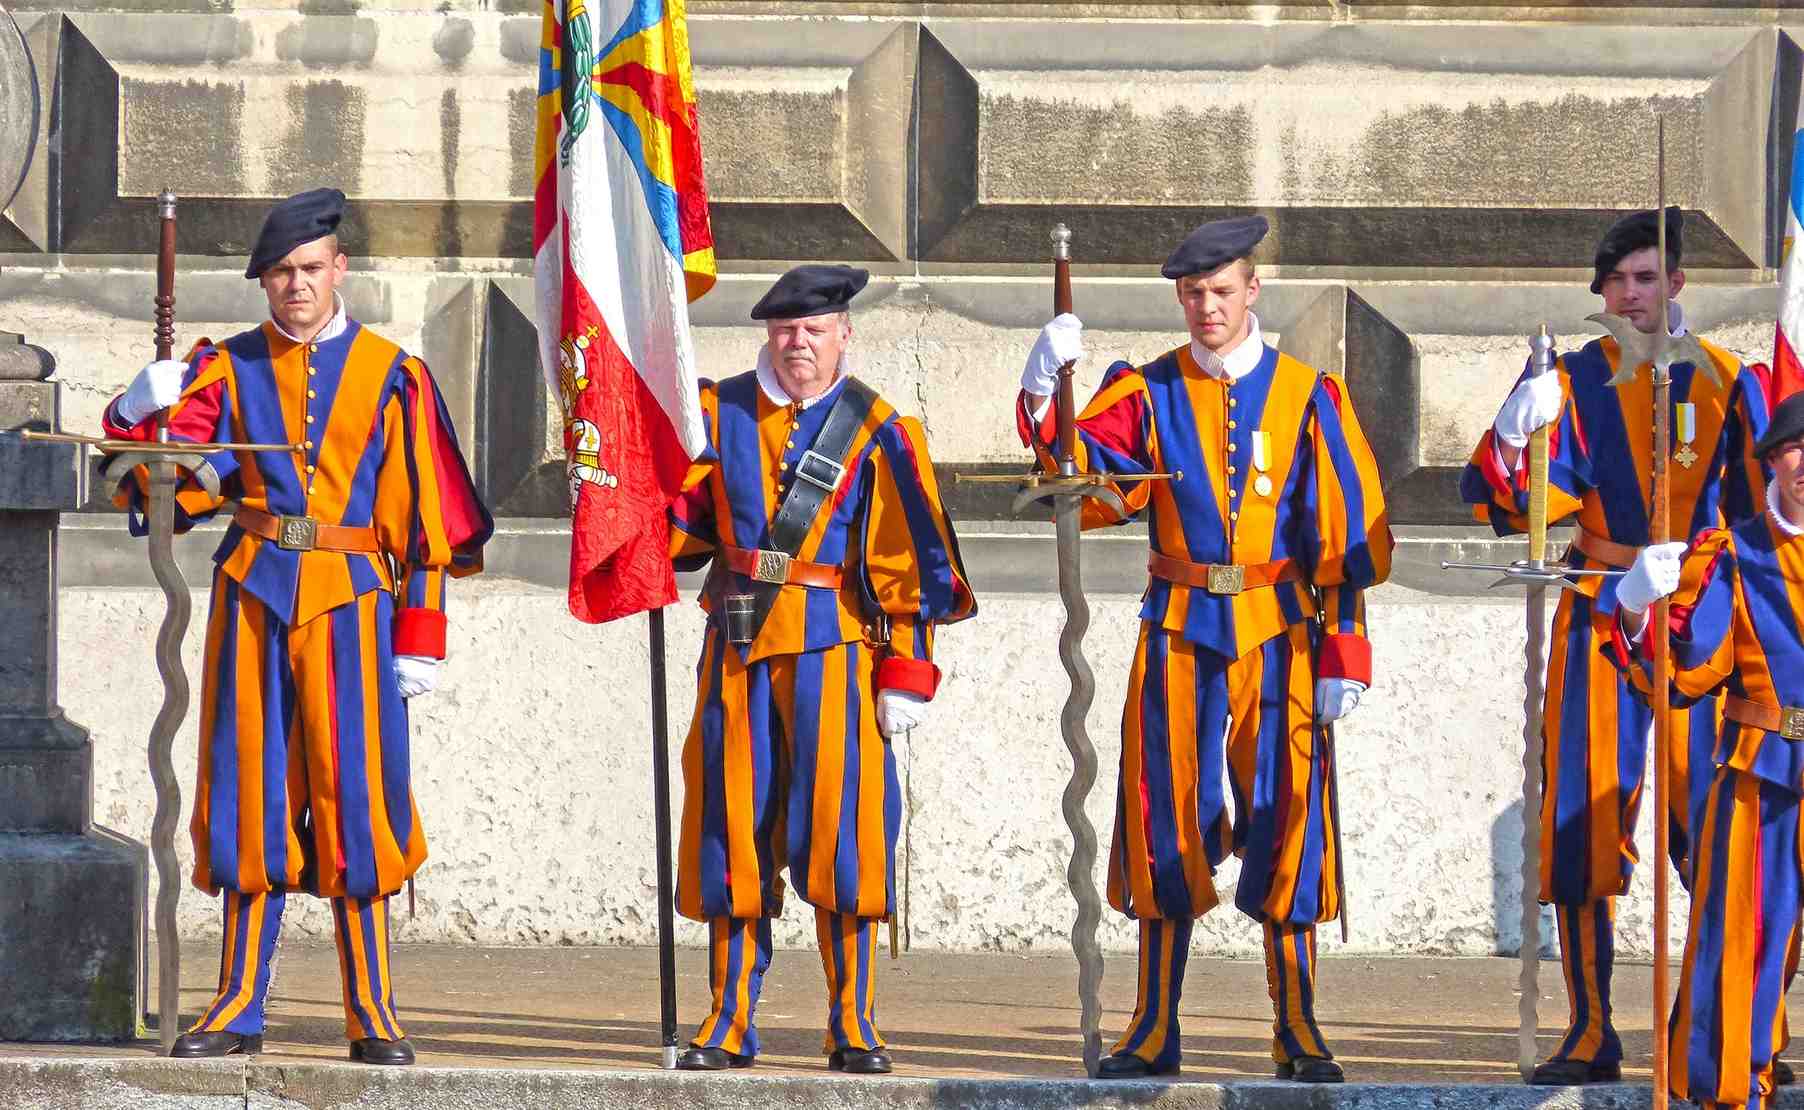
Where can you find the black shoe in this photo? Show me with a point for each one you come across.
(1783, 1076)
(858, 1061)
(1572, 1073)
(375, 1050)
(1126, 1065)
(695, 1058)
(200, 1046)
(1311, 1069)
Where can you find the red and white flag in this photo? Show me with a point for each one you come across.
(1788, 372)
(621, 245)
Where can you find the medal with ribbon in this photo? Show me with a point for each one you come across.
(1685, 430)
(1262, 461)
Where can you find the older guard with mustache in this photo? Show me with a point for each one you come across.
(328, 613)
(1595, 730)
(833, 561)
(1252, 634)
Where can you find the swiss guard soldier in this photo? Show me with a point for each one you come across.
(1595, 730)
(327, 614)
(833, 561)
(1737, 633)
(1252, 633)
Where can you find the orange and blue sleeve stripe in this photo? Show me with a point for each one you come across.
(203, 414)
(694, 535)
(1114, 436)
(913, 572)
(1350, 548)
(444, 519)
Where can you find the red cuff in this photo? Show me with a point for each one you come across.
(911, 676)
(420, 632)
(1619, 647)
(1346, 655)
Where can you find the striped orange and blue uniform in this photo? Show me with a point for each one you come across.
(784, 765)
(1738, 628)
(304, 769)
(1272, 467)
(1595, 729)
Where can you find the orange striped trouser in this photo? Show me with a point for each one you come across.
(1153, 1033)
(304, 774)
(1729, 1020)
(253, 925)
(739, 954)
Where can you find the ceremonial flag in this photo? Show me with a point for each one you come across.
(621, 245)
(1788, 372)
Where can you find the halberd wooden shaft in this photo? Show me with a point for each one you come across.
(1066, 404)
(1662, 645)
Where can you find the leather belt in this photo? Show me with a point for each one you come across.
(1617, 556)
(1225, 579)
(778, 569)
(303, 533)
(1787, 721)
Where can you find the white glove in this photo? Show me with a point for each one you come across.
(1655, 575)
(1534, 403)
(1336, 697)
(416, 675)
(156, 387)
(899, 711)
(1059, 342)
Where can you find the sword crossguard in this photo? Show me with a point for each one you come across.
(1524, 573)
(1662, 351)
(1048, 487)
(191, 463)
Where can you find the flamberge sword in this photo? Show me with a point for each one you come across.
(1067, 489)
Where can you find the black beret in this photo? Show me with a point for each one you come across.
(811, 291)
(1630, 234)
(1787, 424)
(1214, 245)
(301, 218)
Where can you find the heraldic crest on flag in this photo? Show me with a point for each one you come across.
(621, 245)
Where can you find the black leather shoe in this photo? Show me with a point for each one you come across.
(1783, 1076)
(857, 1061)
(1311, 1069)
(200, 1046)
(1126, 1065)
(696, 1058)
(1572, 1073)
(375, 1050)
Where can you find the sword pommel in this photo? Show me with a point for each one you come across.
(166, 205)
(1540, 348)
(1061, 242)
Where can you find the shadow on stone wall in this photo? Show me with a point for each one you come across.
(1506, 887)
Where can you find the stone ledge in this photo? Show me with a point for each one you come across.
(54, 1084)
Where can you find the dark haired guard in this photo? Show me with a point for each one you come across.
(301, 218)
(1214, 245)
(1632, 233)
(1787, 425)
(811, 291)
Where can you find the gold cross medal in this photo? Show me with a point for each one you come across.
(1685, 432)
(1262, 459)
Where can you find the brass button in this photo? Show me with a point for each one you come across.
(791, 444)
(311, 394)
(1231, 424)
(1233, 516)
(310, 470)
(308, 445)
(313, 346)
(309, 418)
(311, 371)
(1232, 401)
(1231, 447)
(1230, 470)
(1232, 492)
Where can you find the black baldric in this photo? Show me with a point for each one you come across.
(818, 474)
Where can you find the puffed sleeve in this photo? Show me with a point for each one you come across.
(911, 567)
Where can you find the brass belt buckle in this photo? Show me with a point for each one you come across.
(1791, 724)
(296, 533)
(771, 567)
(1227, 578)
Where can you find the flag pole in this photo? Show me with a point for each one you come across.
(660, 778)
